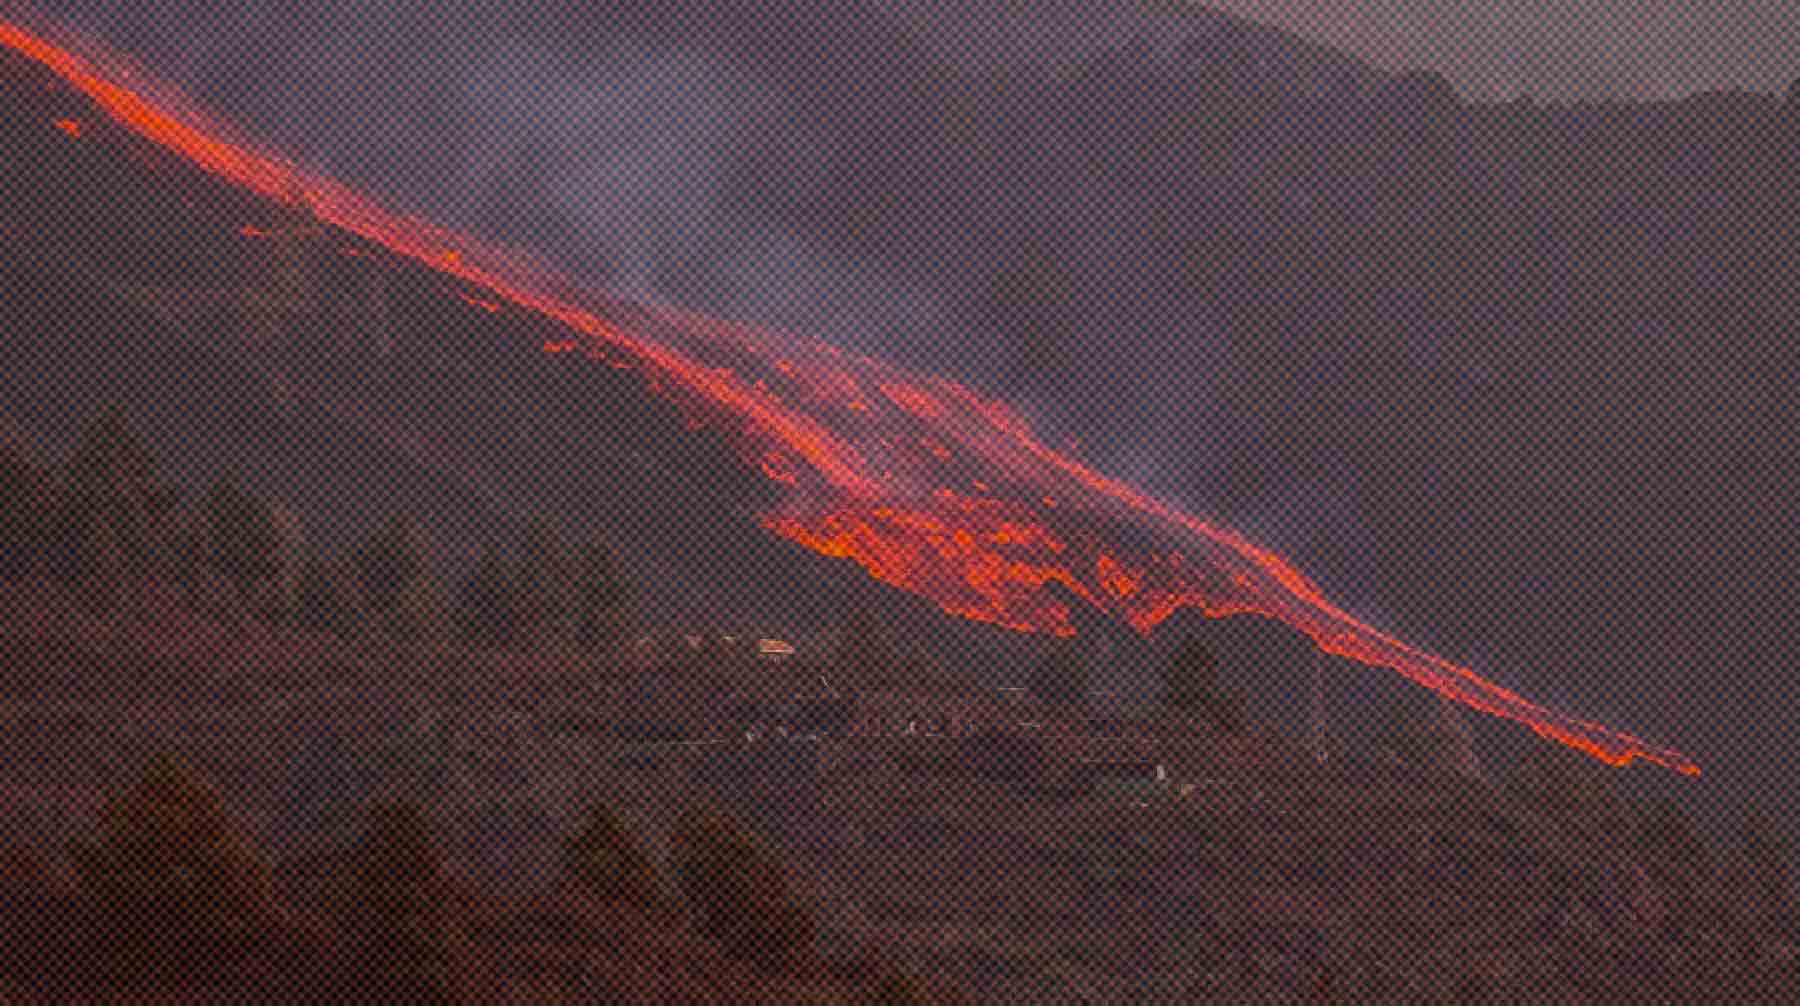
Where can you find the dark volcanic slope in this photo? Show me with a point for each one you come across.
(461, 418)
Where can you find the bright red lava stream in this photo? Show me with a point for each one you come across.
(925, 484)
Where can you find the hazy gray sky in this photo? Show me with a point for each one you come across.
(1554, 48)
(1559, 47)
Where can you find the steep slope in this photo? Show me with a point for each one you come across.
(436, 402)
(868, 490)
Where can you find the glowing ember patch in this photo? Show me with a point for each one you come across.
(1114, 577)
(252, 232)
(847, 505)
(777, 467)
(912, 400)
(70, 126)
(486, 305)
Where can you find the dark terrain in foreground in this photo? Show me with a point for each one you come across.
(1272, 878)
(1255, 875)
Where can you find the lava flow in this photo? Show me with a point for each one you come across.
(925, 484)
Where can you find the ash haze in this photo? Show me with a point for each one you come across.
(1554, 49)
(1596, 502)
(1511, 381)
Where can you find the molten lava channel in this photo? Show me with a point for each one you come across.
(925, 484)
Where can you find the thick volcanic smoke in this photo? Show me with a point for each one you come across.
(921, 481)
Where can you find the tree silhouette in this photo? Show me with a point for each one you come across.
(603, 860)
(487, 606)
(421, 613)
(390, 561)
(22, 504)
(188, 538)
(738, 892)
(184, 535)
(290, 558)
(111, 476)
(177, 883)
(243, 541)
(600, 597)
(545, 584)
(327, 599)
(399, 913)
(168, 532)
(103, 568)
(1191, 684)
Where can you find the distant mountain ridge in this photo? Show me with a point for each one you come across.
(1055, 36)
(1618, 268)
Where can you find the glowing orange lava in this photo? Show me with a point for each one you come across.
(486, 305)
(862, 451)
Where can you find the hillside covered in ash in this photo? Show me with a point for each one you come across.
(330, 772)
(315, 559)
(441, 405)
(1218, 862)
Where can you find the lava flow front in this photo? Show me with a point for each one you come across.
(925, 484)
